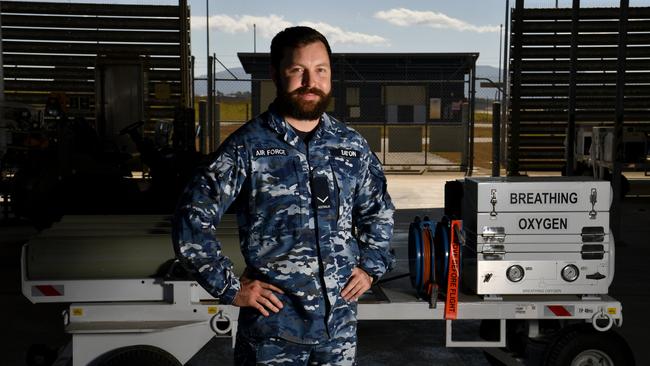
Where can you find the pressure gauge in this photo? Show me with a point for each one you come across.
(515, 273)
(570, 273)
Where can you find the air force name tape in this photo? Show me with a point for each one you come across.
(269, 151)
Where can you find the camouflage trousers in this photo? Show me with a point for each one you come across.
(280, 352)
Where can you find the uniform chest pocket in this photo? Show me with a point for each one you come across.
(347, 172)
(276, 193)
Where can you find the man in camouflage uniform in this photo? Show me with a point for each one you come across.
(314, 225)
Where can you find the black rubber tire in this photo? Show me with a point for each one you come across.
(564, 350)
(139, 355)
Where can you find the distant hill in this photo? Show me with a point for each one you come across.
(491, 73)
(233, 86)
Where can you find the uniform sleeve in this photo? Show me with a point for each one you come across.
(373, 218)
(200, 209)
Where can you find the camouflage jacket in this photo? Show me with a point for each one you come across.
(312, 212)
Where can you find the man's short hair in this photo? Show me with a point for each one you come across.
(294, 37)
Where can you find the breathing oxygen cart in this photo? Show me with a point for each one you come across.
(131, 303)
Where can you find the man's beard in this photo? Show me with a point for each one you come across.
(290, 104)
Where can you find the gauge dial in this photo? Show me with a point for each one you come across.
(570, 273)
(515, 273)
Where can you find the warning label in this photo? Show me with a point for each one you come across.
(525, 311)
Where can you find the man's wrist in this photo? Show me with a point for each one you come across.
(372, 277)
(228, 297)
(235, 298)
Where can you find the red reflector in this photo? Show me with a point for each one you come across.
(559, 310)
(48, 290)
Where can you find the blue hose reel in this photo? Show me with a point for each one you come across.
(428, 249)
(415, 253)
(442, 248)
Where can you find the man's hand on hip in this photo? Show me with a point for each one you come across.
(259, 295)
(359, 282)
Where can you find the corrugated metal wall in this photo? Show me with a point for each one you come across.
(540, 83)
(55, 47)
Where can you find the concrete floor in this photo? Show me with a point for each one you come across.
(380, 342)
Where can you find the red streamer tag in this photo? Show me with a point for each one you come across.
(453, 280)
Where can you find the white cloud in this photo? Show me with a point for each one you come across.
(338, 35)
(269, 26)
(406, 17)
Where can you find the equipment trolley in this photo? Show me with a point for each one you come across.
(131, 304)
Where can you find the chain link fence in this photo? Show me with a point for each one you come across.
(423, 120)
(485, 98)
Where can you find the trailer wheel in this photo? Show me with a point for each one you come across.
(583, 346)
(140, 355)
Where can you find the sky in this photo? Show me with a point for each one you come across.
(352, 26)
(382, 26)
(363, 25)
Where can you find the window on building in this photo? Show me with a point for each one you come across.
(352, 96)
(435, 108)
(405, 103)
(352, 102)
(405, 95)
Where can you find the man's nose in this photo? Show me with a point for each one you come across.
(308, 79)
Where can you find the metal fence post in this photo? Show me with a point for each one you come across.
(209, 131)
(496, 134)
(216, 111)
(464, 156)
(384, 137)
(472, 114)
(426, 142)
(506, 84)
(203, 126)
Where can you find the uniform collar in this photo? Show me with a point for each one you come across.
(282, 127)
